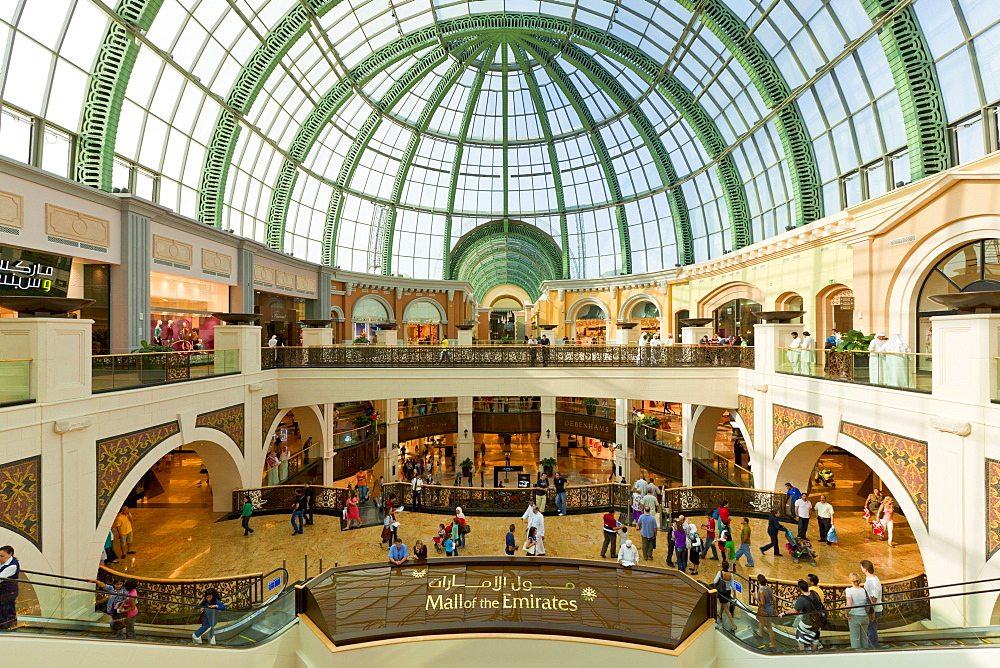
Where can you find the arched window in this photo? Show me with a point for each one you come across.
(590, 325)
(734, 317)
(370, 310)
(973, 267)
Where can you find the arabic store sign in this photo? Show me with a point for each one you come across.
(507, 592)
(29, 273)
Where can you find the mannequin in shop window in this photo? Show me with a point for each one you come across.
(158, 333)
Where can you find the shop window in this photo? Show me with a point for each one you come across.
(735, 317)
(181, 311)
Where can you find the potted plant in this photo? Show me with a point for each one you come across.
(851, 353)
(590, 404)
(548, 465)
(361, 339)
(466, 467)
(650, 421)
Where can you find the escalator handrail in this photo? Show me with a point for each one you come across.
(95, 590)
(166, 596)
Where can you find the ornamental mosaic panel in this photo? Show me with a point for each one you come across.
(21, 498)
(746, 414)
(116, 456)
(229, 420)
(268, 411)
(992, 507)
(906, 457)
(787, 420)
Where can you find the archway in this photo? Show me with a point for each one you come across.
(422, 319)
(644, 310)
(834, 309)
(589, 320)
(790, 301)
(337, 315)
(369, 314)
(219, 455)
(295, 448)
(726, 293)
(720, 450)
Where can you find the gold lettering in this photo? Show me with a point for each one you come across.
(572, 606)
(434, 602)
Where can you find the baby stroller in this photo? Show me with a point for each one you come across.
(799, 548)
(440, 538)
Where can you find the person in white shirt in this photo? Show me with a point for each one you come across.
(873, 586)
(793, 352)
(803, 508)
(824, 515)
(537, 520)
(418, 492)
(628, 554)
(807, 356)
(875, 361)
(640, 485)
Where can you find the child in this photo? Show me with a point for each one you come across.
(450, 547)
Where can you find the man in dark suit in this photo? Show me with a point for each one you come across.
(773, 529)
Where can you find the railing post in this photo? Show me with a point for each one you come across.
(60, 354)
(767, 339)
(243, 338)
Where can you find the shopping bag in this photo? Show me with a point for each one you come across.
(831, 535)
(878, 528)
(866, 514)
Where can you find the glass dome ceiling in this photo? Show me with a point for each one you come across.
(374, 134)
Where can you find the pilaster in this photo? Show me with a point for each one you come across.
(130, 291)
(547, 437)
(623, 457)
(466, 446)
(59, 350)
(244, 338)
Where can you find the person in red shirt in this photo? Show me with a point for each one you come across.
(611, 528)
(724, 512)
(709, 526)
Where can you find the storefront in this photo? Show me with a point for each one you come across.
(180, 311)
(735, 317)
(506, 320)
(648, 317)
(26, 273)
(369, 316)
(280, 316)
(423, 322)
(591, 325)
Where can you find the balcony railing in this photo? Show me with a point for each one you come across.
(369, 356)
(429, 408)
(296, 462)
(724, 468)
(660, 437)
(602, 410)
(121, 372)
(15, 382)
(900, 371)
(506, 405)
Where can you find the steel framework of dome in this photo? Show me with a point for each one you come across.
(635, 135)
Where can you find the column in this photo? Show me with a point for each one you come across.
(466, 446)
(241, 294)
(320, 307)
(130, 284)
(389, 457)
(317, 336)
(386, 337)
(690, 336)
(963, 367)
(766, 340)
(329, 443)
(245, 339)
(687, 444)
(623, 455)
(59, 350)
(547, 436)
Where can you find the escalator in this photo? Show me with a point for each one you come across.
(900, 628)
(58, 606)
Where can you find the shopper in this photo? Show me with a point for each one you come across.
(824, 515)
(245, 515)
(116, 595)
(122, 527)
(541, 491)
(419, 551)
(765, 608)
(309, 500)
(531, 544)
(398, 554)
(808, 621)
(611, 528)
(298, 506)
(510, 543)
(773, 528)
(211, 606)
(803, 510)
(680, 546)
(744, 548)
(417, 486)
(873, 586)
(353, 510)
(647, 530)
(462, 526)
(628, 555)
(856, 599)
(560, 485)
(723, 585)
(709, 526)
(10, 572)
(886, 510)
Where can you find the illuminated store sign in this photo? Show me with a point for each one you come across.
(31, 273)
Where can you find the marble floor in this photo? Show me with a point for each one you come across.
(178, 536)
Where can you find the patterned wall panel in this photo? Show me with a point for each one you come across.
(268, 411)
(116, 456)
(229, 420)
(906, 457)
(992, 507)
(746, 414)
(21, 498)
(786, 420)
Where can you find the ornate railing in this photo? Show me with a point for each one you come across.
(279, 498)
(748, 360)
(419, 410)
(607, 410)
(163, 598)
(658, 451)
(903, 593)
(509, 500)
(120, 372)
(755, 502)
(497, 356)
(726, 469)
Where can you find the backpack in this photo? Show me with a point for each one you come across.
(819, 612)
(715, 515)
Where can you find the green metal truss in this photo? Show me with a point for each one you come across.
(916, 80)
(774, 90)
(601, 41)
(569, 90)
(469, 52)
(242, 95)
(557, 182)
(506, 252)
(95, 151)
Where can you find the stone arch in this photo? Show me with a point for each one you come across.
(506, 290)
(221, 456)
(703, 427)
(388, 307)
(313, 420)
(823, 308)
(625, 311)
(916, 265)
(583, 302)
(336, 313)
(785, 299)
(425, 300)
(726, 293)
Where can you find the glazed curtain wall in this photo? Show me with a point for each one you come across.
(372, 136)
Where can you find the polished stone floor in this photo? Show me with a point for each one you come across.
(178, 536)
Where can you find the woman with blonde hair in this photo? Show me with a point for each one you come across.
(885, 513)
(856, 599)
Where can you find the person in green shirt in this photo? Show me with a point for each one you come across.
(245, 515)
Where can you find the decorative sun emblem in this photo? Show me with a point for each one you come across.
(419, 574)
(589, 593)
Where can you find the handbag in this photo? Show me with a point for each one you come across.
(386, 533)
(464, 528)
(529, 548)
